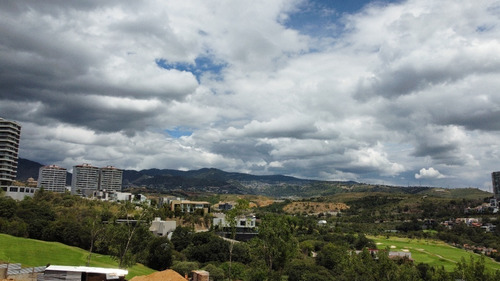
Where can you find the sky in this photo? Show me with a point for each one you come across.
(385, 92)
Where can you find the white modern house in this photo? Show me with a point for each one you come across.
(162, 228)
(220, 221)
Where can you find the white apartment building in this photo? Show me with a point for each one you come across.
(88, 179)
(10, 133)
(110, 178)
(52, 178)
(85, 179)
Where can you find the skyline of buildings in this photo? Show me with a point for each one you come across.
(87, 179)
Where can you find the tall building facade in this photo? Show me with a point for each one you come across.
(110, 178)
(495, 181)
(85, 179)
(52, 178)
(10, 134)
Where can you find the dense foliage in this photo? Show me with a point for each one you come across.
(287, 247)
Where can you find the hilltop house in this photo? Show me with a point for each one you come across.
(186, 206)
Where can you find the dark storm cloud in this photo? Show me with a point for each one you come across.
(411, 78)
(62, 69)
(485, 120)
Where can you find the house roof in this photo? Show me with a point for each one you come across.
(86, 269)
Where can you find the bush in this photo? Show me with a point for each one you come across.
(185, 267)
(237, 270)
(216, 274)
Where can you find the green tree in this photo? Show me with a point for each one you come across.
(473, 269)
(97, 229)
(306, 269)
(124, 236)
(185, 267)
(275, 244)
(159, 253)
(407, 272)
(216, 274)
(206, 247)
(8, 207)
(238, 270)
(440, 274)
(231, 218)
(181, 237)
(360, 267)
(333, 257)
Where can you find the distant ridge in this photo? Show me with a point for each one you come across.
(218, 181)
(27, 169)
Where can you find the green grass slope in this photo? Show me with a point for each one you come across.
(30, 252)
(457, 193)
(432, 252)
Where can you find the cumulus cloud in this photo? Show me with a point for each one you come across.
(430, 173)
(293, 87)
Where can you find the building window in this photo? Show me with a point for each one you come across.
(13, 189)
(22, 189)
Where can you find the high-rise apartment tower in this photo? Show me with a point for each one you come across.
(10, 134)
(52, 178)
(495, 181)
(85, 179)
(110, 178)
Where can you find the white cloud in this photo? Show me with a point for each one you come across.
(373, 96)
(429, 173)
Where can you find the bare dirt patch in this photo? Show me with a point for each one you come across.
(314, 207)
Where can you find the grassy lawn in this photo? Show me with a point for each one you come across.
(432, 252)
(30, 252)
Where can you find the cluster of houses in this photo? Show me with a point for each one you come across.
(245, 225)
(491, 207)
(470, 222)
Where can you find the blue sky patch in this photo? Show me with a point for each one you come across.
(320, 18)
(202, 64)
(179, 132)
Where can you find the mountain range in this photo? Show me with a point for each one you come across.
(218, 181)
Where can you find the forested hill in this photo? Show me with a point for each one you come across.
(218, 181)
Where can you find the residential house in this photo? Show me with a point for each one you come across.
(186, 206)
(162, 228)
